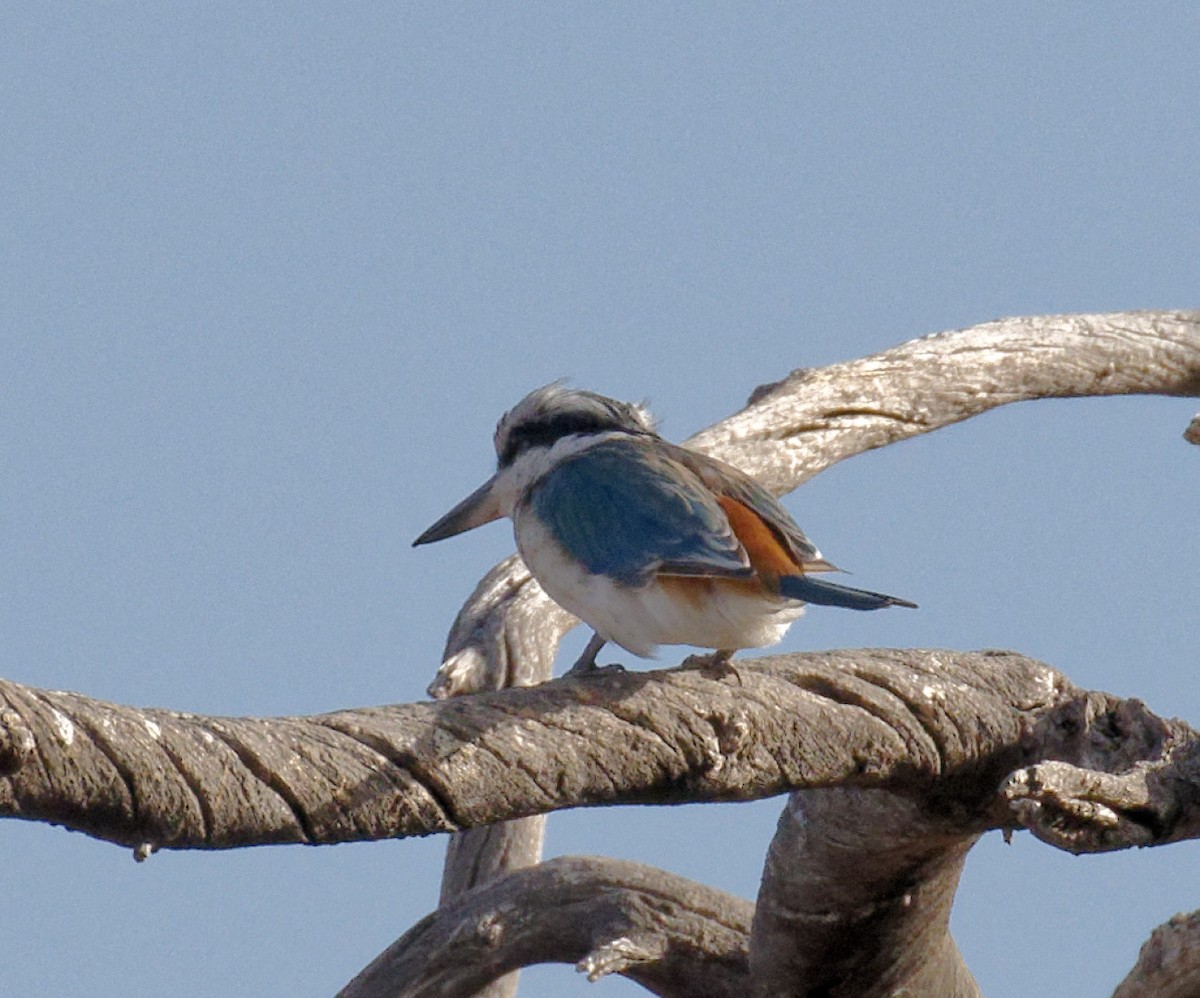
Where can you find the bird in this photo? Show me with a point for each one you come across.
(646, 541)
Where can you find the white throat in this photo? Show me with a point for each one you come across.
(514, 482)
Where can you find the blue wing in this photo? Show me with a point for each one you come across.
(628, 510)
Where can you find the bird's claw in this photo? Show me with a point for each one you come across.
(590, 670)
(716, 665)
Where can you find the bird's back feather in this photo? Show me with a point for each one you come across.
(628, 511)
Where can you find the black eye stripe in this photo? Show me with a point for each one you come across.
(544, 432)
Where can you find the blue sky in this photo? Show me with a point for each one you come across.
(271, 274)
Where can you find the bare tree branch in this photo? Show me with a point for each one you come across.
(856, 898)
(674, 936)
(812, 419)
(478, 856)
(959, 722)
(517, 656)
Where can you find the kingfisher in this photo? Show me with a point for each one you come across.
(646, 541)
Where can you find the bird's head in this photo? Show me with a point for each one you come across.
(548, 414)
(526, 434)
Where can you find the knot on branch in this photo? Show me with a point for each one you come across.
(1081, 810)
(1100, 731)
(16, 742)
(1114, 775)
(618, 955)
(732, 732)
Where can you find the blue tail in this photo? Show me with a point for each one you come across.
(810, 590)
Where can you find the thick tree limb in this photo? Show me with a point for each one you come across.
(954, 723)
(856, 899)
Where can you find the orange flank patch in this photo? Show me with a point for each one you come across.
(767, 555)
(699, 590)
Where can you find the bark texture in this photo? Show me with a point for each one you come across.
(993, 738)
(868, 717)
(895, 761)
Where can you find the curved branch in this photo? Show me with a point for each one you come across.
(856, 898)
(813, 419)
(673, 936)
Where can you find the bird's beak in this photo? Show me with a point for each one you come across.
(478, 508)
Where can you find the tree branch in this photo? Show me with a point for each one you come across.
(674, 936)
(856, 898)
(957, 723)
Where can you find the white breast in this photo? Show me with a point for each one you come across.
(717, 615)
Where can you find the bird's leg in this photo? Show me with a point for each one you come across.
(586, 665)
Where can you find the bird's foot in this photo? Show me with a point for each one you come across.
(716, 665)
(590, 670)
(586, 667)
